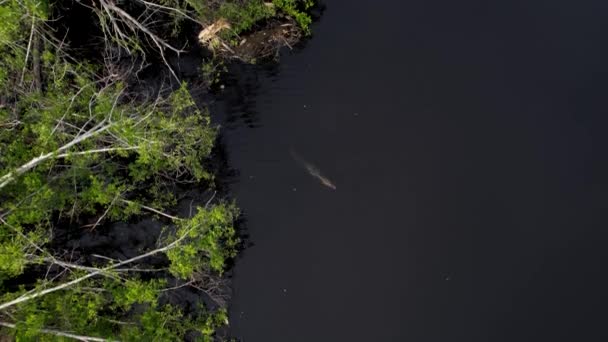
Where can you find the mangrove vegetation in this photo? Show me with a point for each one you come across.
(86, 144)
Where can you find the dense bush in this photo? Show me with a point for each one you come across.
(81, 148)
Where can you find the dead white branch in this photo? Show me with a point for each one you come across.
(100, 271)
(62, 334)
(106, 212)
(175, 218)
(29, 47)
(140, 26)
(170, 9)
(11, 176)
(100, 150)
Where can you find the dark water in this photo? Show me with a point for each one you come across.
(467, 140)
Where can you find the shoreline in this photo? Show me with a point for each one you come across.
(146, 244)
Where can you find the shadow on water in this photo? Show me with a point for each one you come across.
(242, 84)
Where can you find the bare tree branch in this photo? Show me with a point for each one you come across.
(100, 271)
(100, 150)
(133, 24)
(170, 9)
(175, 218)
(62, 334)
(29, 46)
(11, 176)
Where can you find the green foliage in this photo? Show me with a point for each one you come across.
(90, 311)
(292, 8)
(210, 241)
(133, 154)
(17, 18)
(169, 139)
(12, 259)
(167, 323)
(242, 16)
(12, 14)
(134, 291)
(130, 155)
(147, 147)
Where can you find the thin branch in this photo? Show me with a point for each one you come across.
(189, 283)
(170, 9)
(103, 257)
(94, 273)
(106, 212)
(36, 47)
(29, 47)
(24, 236)
(73, 98)
(159, 42)
(175, 218)
(211, 199)
(101, 150)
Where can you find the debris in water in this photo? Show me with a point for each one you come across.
(208, 36)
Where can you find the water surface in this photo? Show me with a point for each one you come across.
(467, 141)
